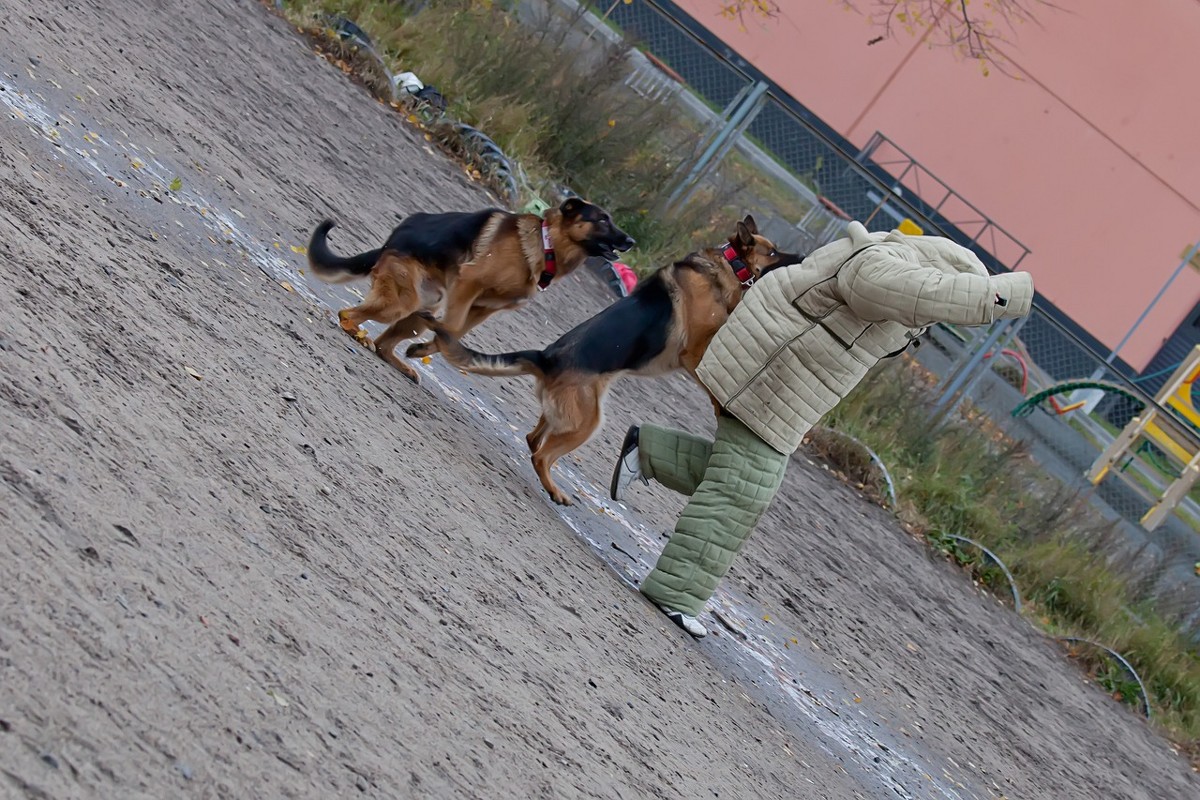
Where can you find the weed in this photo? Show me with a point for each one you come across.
(974, 481)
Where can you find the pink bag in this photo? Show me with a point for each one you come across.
(628, 277)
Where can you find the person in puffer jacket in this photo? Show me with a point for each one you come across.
(798, 342)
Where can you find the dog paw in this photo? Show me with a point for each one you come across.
(404, 369)
(419, 350)
(361, 336)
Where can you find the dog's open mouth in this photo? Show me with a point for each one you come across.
(611, 252)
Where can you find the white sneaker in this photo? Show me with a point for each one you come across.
(685, 621)
(629, 468)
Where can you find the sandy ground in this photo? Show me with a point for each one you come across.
(243, 558)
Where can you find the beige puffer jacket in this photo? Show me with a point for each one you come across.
(805, 335)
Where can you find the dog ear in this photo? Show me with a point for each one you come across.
(751, 224)
(571, 207)
(744, 236)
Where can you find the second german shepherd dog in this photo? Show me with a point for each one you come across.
(666, 324)
(468, 265)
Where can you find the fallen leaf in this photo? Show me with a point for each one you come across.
(299, 249)
(193, 373)
(287, 286)
(176, 184)
(427, 360)
(279, 698)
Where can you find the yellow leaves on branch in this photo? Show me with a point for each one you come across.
(740, 9)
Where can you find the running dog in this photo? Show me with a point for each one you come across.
(666, 324)
(468, 265)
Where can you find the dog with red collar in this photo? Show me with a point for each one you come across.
(467, 265)
(664, 325)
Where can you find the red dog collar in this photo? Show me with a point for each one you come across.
(740, 267)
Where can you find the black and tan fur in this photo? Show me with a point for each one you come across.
(464, 265)
(666, 324)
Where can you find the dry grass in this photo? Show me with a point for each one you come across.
(566, 121)
(974, 481)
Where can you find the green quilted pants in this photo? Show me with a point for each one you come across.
(731, 482)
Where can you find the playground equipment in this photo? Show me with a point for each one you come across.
(1050, 394)
(1020, 360)
(1176, 435)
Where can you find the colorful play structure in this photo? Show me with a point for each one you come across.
(1164, 435)
(1175, 434)
(1050, 395)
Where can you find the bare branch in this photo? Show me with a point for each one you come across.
(979, 32)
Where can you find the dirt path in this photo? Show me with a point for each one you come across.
(298, 575)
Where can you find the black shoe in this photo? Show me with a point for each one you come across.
(628, 468)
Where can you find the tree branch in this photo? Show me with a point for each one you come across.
(977, 34)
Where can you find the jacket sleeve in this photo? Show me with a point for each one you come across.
(887, 288)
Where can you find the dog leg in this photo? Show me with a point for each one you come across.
(577, 414)
(351, 319)
(422, 349)
(391, 298)
(553, 447)
(534, 437)
(461, 316)
(385, 345)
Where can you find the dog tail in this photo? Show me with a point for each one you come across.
(332, 268)
(521, 362)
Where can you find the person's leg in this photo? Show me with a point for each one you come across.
(675, 459)
(742, 476)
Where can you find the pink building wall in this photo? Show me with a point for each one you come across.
(1090, 158)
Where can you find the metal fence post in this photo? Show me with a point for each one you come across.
(753, 106)
(960, 361)
(740, 117)
(1013, 328)
(942, 405)
(1112, 356)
